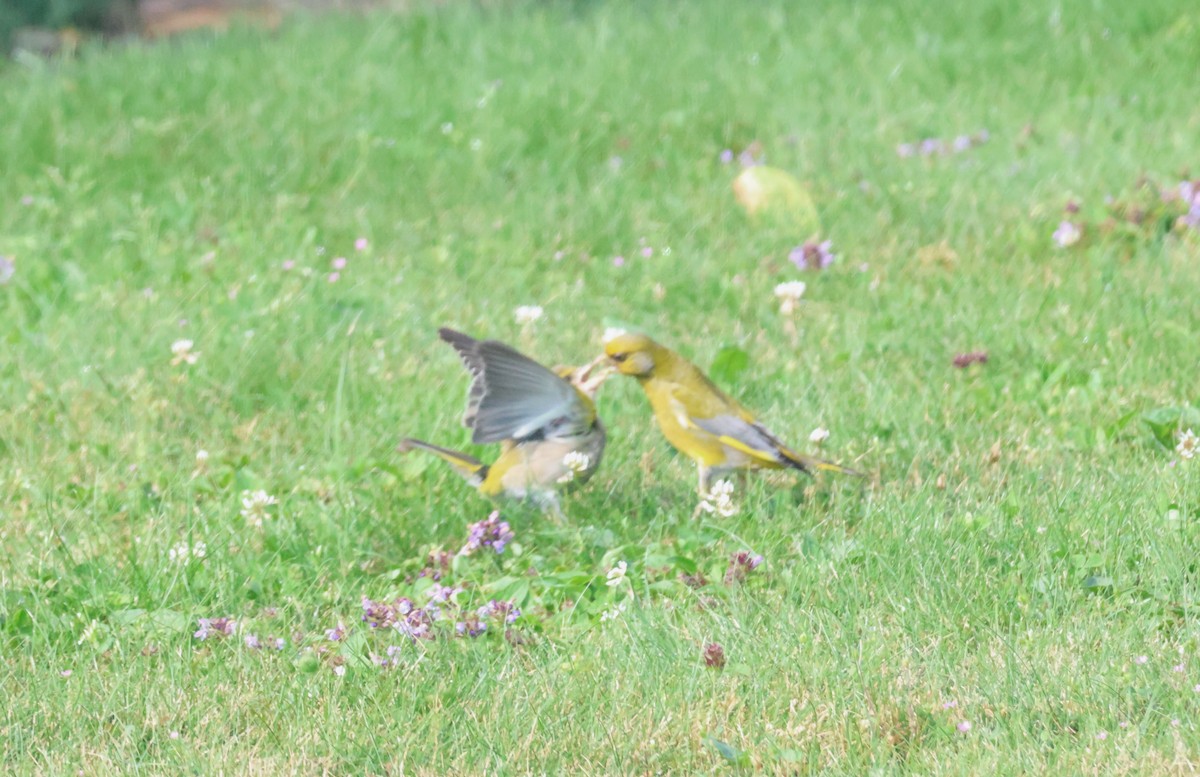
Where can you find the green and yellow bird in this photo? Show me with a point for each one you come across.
(545, 421)
(701, 421)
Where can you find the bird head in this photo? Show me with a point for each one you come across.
(633, 354)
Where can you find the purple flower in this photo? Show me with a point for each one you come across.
(489, 533)
(647, 252)
(812, 255)
(221, 627)
(382, 615)
(288, 264)
(1192, 219)
(416, 625)
(618, 261)
(333, 277)
(962, 143)
(252, 642)
(496, 609)
(27, 200)
(470, 626)
(906, 150)
(7, 270)
(442, 593)
(726, 156)
(336, 635)
(437, 563)
(741, 564)
(279, 643)
(714, 655)
(964, 360)
(748, 159)
(931, 146)
(964, 726)
(339, 263)
(361, 244)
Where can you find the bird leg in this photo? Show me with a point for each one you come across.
(551, 507)
(702, 489)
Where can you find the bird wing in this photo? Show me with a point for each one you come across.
(512, 396)
(747, 436)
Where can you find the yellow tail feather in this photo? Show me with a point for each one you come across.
(810, 464)
(471, 468)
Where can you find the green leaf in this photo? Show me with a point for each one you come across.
(728, 752)
(125, 617)
(514, 589)
(169, 620)
(1167, 422)
(18, 621)
(730, 362)
(774, 198)
(683, 564)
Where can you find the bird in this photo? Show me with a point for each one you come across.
(700, 420)
(545, 421)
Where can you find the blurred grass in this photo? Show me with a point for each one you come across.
(152, 193)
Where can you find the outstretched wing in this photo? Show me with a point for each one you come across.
(511, 395)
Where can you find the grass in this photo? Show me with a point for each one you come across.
(1022, 542)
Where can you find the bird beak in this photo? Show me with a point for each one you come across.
(590, 377)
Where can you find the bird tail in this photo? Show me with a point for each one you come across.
(810, 464)
(469, 467)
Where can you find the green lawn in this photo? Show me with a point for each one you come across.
(1012, 591)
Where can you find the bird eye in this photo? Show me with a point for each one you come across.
(620, 357)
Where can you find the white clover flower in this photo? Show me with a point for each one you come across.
(789, 295)
(182, 349)
(576, 463)
(611, 333)
(527, 314)
(1067, 234)
(179, 553)
(254, 506)
(616, 575)
(719, 500)
(612, 613)
(1189, 443)
(819, 435)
